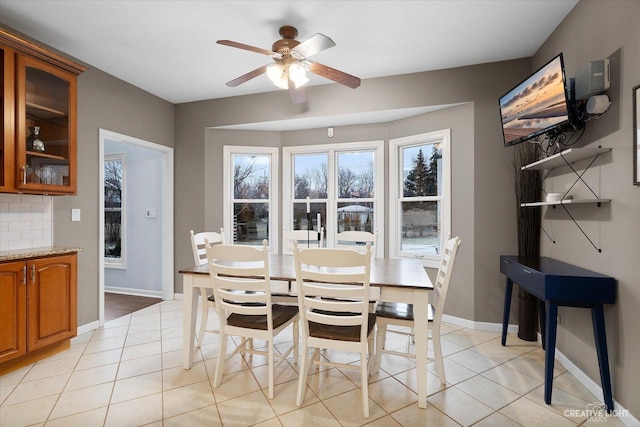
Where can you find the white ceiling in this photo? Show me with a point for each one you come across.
(169, 49)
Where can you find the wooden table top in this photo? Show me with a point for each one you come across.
(396, 272)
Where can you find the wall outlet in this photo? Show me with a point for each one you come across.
(151, 213)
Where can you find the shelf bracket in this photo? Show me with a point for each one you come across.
(547, 234)
(580, 228)
(579, 175)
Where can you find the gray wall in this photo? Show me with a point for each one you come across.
(613, 227)
(143, 236)
(108, 103)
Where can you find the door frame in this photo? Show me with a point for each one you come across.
(167, 213)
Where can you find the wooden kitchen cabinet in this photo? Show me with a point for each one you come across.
(38, 308)
(13, 310)
(38, 152)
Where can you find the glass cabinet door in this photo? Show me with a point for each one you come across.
(45, 127)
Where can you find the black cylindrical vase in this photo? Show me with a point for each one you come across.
(528, 305)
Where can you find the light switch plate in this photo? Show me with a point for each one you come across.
(75, 215)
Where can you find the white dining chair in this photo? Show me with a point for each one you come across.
(357, 240)
(333, 297)
(242, 294)
(315, 239)
(400, 314)
(198, 242)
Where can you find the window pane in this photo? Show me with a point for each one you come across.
(300, 220)
(310, 176)
(355, 216)
(422, 170)
(250, 223)
(113, 188)
(420, 228)
(112, 233)
(355, 175)
(251, 176)
(113, 184)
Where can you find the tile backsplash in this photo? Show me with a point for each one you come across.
(26, 221)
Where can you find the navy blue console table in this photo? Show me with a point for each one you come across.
(559, 284)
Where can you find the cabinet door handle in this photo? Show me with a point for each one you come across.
(24, 174)
(24, 275)
(33, 273)
(506, 261)
(526, 271)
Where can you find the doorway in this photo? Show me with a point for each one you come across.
(145, 267)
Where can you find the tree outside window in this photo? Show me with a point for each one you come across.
(114, 210)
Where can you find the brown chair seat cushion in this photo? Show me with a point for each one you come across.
(401, 311)
(340, 333)
(281, 315)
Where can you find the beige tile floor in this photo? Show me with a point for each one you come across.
(129, 373)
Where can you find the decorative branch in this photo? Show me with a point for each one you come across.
(528, 188)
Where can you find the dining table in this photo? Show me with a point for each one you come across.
(401, 280)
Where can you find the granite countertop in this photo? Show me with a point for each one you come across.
(36, 252)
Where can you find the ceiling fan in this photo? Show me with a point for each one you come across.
(291, 63)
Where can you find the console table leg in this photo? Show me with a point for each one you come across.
(597, 315)
(551, 326)
(507, 309)
(543, 322)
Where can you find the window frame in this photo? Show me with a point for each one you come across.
(331, 222)
(228, 196)
(118, 263)
(396, 196)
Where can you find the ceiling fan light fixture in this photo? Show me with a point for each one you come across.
(298, 75)
(274, 71)
(277, 75)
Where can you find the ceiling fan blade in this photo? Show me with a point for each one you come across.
(246, 77)
(297, 94)
(314, 44)
(245, 47)
(335, 75)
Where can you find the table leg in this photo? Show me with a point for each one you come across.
(420, 304)
(551, 327)
(543, 322)
(597, 315)
(190, 312)
(507, 309)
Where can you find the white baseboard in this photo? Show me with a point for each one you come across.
(620, 412)
(478, 326)
(178, 296)
(83, 329)
(136, 292)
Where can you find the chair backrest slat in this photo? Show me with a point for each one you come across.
(333, 286)
(443, 277)
(199, 240)
(241, 281)
(315, 239)
(357, 240)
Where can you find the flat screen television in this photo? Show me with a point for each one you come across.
(537, 105)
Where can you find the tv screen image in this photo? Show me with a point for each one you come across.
(536, 105)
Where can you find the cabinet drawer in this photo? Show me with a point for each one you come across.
(509, 268)
(532, 281)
